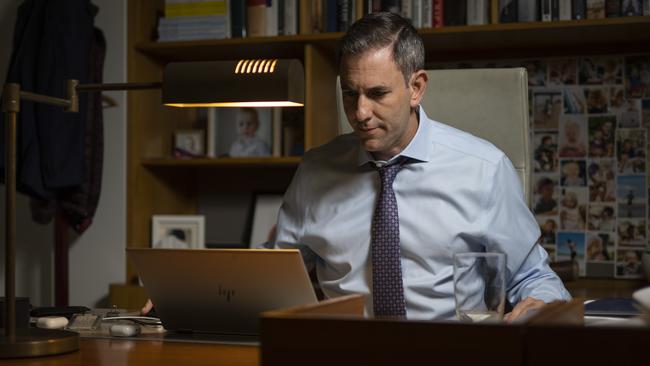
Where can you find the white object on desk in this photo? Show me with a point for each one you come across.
(52, 322)
(124, 330)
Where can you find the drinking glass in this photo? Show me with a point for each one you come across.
(479, 286)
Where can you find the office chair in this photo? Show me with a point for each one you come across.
(489, 103)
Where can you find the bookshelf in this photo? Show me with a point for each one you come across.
(158, 184)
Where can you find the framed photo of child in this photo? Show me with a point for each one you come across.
(242, 132)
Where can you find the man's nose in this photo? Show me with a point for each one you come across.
(363, 110)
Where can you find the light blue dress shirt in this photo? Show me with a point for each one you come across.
(459, 194)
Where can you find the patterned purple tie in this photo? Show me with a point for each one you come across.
(387, 288)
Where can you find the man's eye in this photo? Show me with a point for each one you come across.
(349, 93)
(377, 94)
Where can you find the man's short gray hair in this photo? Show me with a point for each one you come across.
(378, 30)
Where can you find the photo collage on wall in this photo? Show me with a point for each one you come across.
(589, 139)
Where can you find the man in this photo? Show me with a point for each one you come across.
(454, 192)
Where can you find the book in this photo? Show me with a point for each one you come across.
(455, 12)
(193, 28)
(438, 19)
(631, 8)
(183, 8)
(578, 9)
(545, 10)
(612, 8)
(617, 307)
(291, 17)
(527, 11)
(406, 10)
(344, 9)
(237, 19)
(564, 9)
(555, 10)
(595, 9)
(330, 13)
(478, 12)
(271, 18)
(256, 18)
(427, 13)
(416, 16)
(508, 11)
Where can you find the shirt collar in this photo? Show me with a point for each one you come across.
(419, 149)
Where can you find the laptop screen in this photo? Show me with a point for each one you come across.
(221, 290)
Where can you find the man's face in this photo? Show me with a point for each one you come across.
(378, 103)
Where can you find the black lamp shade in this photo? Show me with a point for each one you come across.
(241, 83)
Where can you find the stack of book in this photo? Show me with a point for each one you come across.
(195, 20)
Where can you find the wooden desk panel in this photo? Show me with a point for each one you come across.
(126, 352)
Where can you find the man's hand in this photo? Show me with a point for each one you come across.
(146, 308)
(524, 306)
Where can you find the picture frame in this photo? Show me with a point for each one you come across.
(265, 215)
(178, 231)
(189, 143)
(229, 135)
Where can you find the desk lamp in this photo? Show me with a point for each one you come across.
(243, 83)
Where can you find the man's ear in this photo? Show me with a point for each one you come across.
(418, 86)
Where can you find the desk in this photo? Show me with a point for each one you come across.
(118, 352)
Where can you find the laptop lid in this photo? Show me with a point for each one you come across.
(221, 290)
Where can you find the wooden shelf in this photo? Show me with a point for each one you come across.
(561, 38)
(289, 161)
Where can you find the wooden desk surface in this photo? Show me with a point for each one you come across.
(128, 352)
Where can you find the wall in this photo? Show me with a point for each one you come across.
(97, 257)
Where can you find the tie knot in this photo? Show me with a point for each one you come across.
(387, 173)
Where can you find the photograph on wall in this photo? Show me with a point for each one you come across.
(637, 78)
(597, 99)
(545, 198)
(574, 101)
(600, 70)
(630, 115)
(548, 226)
(243, 132)
(601, 136)
(632, 232)
(547, 107)
(536, 72)
(628, 263)
(630, 152)
(602, 180)
(573, 173)
(645, 113)
(573, 208)
(573, 137)
(571, 246)
(601, 217)
(617, 101)
(562, 72)
(545, 154)
(600, 247)
(630, 194)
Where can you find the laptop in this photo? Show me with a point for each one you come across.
(221, 291)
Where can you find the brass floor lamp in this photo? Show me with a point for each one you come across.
(243, 83)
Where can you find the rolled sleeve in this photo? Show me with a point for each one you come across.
(512, 229)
